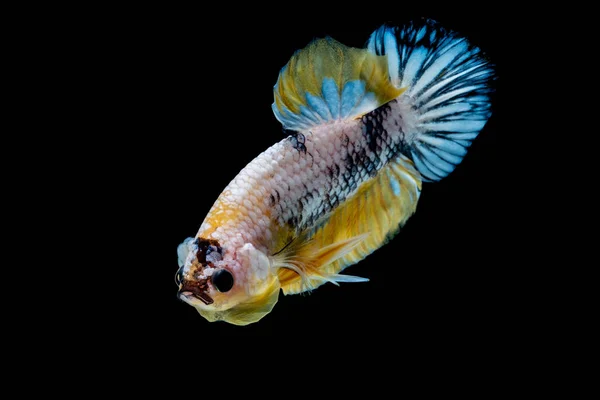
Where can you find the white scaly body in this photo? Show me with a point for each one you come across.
(365, 127)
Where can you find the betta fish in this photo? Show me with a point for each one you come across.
(364, 127)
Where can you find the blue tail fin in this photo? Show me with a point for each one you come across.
(447, 91)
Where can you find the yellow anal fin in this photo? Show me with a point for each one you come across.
(356, 228)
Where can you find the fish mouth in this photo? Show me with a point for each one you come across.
(195, 290)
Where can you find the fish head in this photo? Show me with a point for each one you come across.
(234, 284)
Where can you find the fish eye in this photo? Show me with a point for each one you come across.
(179, 276)
(223, 280)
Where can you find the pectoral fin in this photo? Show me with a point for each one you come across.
(304, 257)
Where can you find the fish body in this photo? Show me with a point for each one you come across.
(365, 128)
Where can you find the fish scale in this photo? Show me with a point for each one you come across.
(360, 160)
(365, 127)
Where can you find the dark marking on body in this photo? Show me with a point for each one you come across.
(330, 172)
(373, 126)
(292, 221)
(353, 170)
(345, 140)
(272, 200)
(205, 247)
(360, 161)
(198, 286)
(372, 170)
(312, 159)
(300, 206)
(297, 140)
(333, 201)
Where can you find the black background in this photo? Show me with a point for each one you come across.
(196, 101)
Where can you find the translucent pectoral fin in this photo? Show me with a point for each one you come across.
(306, 258)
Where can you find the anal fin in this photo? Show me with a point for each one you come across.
(356, 228)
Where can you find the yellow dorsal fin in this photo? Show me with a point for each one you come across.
(327, 81)
(356, 228)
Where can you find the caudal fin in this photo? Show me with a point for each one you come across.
(446, 102)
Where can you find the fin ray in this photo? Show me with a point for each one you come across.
(348, 81)
(356, 228)
(447, 83)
